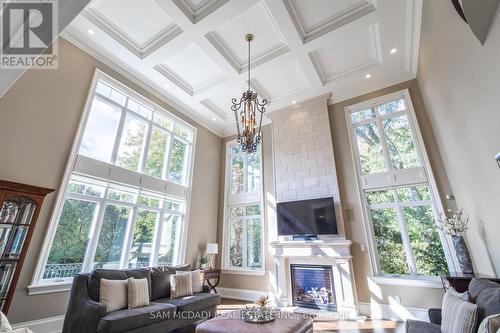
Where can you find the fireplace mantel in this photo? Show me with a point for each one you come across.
(335, 253)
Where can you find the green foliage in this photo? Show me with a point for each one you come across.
(70, 240)
(112, 235)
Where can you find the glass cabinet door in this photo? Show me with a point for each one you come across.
(15, 217)
(6, 274)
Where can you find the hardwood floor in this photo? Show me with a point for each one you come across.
(367, 326)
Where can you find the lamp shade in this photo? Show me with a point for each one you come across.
(212, 248)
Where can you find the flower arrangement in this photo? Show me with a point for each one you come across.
(259, 312)
(455, 223)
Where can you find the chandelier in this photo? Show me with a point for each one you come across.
(245, 114)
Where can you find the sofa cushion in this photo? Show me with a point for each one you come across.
(160, 280)
(488, 302)
(115, 274)
(128, 319)
(476, 286)
(416, 326)
(192, 303)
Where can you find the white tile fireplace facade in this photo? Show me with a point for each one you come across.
(336, 254)
(304, 167)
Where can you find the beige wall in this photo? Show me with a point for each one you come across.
(349, 195)
(39, 117)
(460, 81)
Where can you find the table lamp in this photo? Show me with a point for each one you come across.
(211, 251)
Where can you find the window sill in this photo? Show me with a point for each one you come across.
(49, 288)
(408, 282)
(250, 272)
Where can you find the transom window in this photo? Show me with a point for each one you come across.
(397, 188)
(124, 132)
(124, 201)
(243, 232)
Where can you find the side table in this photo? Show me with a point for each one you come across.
(212, 274)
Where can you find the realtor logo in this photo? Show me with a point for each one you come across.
(27, 31)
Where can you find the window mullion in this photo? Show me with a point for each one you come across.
(166, 163)
(155, 247)
(129, 239)
(245, 242)
(145, 149)
(405, 236)
(169, 157)
(118, 136)
(95, 231)
(383, 143)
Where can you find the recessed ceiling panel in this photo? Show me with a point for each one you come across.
(141, 26)
(192, 70)
(229, 38)
(219, 101)
(316, 18)
(347, 54)
(280, 82)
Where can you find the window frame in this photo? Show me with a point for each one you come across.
(165, 187)
(392, 179)
(243, 199)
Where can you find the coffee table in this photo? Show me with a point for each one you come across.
(231, 322)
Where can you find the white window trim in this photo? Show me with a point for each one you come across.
(438, 206)
(38, 286)
(254, 199)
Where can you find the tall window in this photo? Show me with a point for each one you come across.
(397, 189)
(125, 199)
(243, 237)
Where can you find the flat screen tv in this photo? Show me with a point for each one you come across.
(307, 217)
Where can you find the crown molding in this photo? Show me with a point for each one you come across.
(141, 51)
(307, 34)
(200, 11)
(214, 108)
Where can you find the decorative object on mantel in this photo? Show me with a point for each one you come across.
(497, 158)
(478, 14)
(203, 262)
(259, 312)
(211, 251)
(456, 225)
(249, 136)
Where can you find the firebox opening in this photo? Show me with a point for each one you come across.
(312, 287)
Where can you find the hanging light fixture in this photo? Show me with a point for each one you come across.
(245, 114)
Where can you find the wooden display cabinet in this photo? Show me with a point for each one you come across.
(19, 208)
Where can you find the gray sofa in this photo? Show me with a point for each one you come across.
(85, 314)
(485, 293)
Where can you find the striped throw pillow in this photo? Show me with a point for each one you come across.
(196, 279)
(138, 293)
(181, 285)
(459, 316)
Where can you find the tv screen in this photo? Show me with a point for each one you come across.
(305, 217)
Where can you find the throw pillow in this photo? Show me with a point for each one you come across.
(160, 280)
(180, 285)
(195, 279)
(4, 323)
(113, 294)
(138, 293)
(114, 274)
(490, 324)
(458, 315)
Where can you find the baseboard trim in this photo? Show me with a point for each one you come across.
(46, 325)
(241, 294)
(394, 311)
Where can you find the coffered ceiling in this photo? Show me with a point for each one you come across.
(192, 53)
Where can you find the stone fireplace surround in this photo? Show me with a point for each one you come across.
(304, 168)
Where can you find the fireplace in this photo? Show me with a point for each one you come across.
(312, 287)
